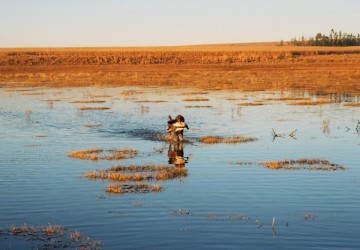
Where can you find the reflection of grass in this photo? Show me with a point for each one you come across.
(229, 140)
(97, 154)
(94, 108)
(196, 99)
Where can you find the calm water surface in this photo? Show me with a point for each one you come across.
(226, 205)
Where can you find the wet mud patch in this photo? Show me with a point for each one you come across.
(47, 237)
(95, 154)
(311, 164)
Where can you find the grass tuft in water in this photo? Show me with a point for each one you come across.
(228, 140)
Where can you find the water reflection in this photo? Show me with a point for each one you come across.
(176, 154)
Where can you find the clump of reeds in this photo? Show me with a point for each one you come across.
(156, 188)
(94, 108)
(196, 99)
(110, 154)
(228, 140)
(303, 163)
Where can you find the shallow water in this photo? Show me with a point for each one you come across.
(218, 205)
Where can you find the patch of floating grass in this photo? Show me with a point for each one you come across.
(156, 188)
(89, 101)
(94, 108)
(351, 104)
(303, 163)
(228, 140)
(198, 106)
(93, 125)
(98, 154)
(196, 99)
(41, 136)
(128, 93)
(251, 104)
(195, 93)
(114, 189)
(137, 173)
(310, 103)
(150, 101)
(235, 98)
(288, 99)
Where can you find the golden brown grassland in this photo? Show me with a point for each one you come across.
(233, 66)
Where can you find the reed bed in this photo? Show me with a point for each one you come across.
(228, 140)
(95, 154)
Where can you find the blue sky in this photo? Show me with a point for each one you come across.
(53, 23)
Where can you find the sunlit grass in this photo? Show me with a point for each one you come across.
(310, 103)
(351, 104)
(303, 163)
(101, 154)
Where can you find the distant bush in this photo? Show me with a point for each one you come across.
(333, 39)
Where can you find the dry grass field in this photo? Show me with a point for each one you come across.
(252, 67)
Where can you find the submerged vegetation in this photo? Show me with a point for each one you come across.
(49, 237)
(298, 164)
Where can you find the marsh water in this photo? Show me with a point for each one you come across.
(220, 204)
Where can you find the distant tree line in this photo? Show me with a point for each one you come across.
(333, 39)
